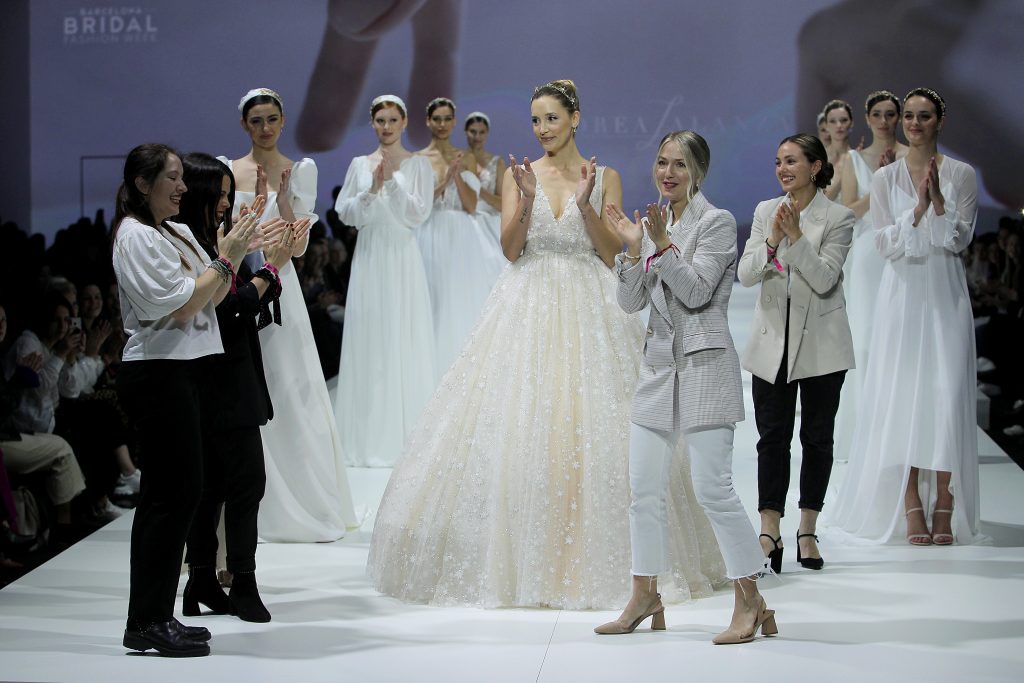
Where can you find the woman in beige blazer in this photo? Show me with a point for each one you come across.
(689, 383)
(801, 337)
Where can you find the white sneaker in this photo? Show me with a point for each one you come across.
(107, 512)
(128, 484)
(985, 365)
(1015, 430)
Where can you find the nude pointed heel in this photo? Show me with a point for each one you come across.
(656, 612)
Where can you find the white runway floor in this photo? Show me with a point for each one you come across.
(892, 613)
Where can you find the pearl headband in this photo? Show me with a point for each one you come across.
(393, 99)
(479, 115)
(934, 96)
(259, 92)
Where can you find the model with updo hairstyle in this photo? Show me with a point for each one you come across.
(863, 269)
(513, 488)
(386, 372)
(915, 448)
(460, 256)
(168, 289)
(680, 261)
(800, 344)
(307, 498)
(838, 122)
(491, 169)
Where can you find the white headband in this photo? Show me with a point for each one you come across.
(393, 99)
(479, 115)
(258, 92)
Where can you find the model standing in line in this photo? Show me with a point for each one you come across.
(838, 122)
(490, 169)
(916, 445)
(461, 261)
(307, 498)
(863, 269)
(386, 374)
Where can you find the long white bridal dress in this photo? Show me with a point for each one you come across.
(461, 262)
(918, 407)
(386, 374)
(486, 214)
(862, 274)
(307, 497)
(513, 489)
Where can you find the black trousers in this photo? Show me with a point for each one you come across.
(775, 415)
(161, 397)
(233, 478)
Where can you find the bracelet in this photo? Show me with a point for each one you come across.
(272, 268)
(626, 254)
(670, 247)
(222, 271)
(230, 266)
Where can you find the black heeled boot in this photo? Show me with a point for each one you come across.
(202, 587)
(245, 599)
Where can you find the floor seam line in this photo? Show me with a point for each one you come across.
(546, 649)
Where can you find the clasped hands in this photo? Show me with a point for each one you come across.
(928, 192)
(786, 223)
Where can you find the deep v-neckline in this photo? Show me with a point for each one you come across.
(551, 207)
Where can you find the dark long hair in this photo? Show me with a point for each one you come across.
(146, 162)
(198, 210)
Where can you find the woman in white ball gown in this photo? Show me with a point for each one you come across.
(387, 353)
(513, 489)
(307, 497)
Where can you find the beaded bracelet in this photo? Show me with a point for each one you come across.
(223, 272)
(227, 263)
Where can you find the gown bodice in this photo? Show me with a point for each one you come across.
(489, 182)
(567, 234)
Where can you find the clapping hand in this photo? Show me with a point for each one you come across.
(261, 182)
(94, 339)
(33, 361)
(585, 185)
(657, 226)
(453, 168)
(233, 245)
(279, 250)
(524, 176)
(283, 194)
(888, 156)
(630, 232)
(934, 191)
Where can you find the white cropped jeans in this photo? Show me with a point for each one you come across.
(650, 456)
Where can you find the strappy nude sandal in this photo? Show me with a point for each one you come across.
(942, 539)
(918, 539)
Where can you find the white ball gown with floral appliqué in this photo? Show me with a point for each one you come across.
(513, 489)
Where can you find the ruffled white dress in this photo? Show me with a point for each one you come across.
(918, 406)
(461, 265)
(307, 497)
(862, 274)
(514, 488)
(386, 375)
(486, 214)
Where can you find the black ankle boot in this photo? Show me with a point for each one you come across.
(202, 587)
(245, 599)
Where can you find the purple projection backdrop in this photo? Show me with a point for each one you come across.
(107, 77)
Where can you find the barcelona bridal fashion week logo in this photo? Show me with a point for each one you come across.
(109, 25)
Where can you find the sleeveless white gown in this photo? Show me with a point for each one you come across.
(386, 374)
(513, 489)
(307, 499)
(862, 274)
(486, 214)
(461, 265)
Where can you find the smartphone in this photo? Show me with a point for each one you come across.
(76, 324)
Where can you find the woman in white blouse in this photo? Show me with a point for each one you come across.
(387, 352)
(916, 446)
(168, 289)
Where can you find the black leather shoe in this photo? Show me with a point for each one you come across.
(165, 638)
(193, 632)
(775, 556)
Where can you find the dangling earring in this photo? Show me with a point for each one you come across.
(813, 176)
(574, 131)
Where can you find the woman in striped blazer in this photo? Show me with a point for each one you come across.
(689, 383)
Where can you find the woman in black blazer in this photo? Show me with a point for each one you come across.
(235, 403)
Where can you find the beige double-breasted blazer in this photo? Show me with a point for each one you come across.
(809, 287)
